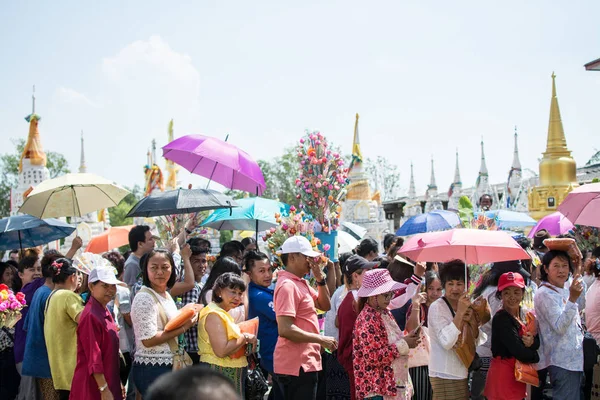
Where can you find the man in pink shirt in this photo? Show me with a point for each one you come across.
(297, 357)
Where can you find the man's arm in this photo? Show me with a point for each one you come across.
(287, 329)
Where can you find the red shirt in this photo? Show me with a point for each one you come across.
(293, 297)
(97, 353)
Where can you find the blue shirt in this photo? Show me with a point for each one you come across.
(35, 360)
(260, 304)
(559, 326)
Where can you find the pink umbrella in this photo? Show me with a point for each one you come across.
(218, 161)
(555, 223)
(582, 205)
(473, 246)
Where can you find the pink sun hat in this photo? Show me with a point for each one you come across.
(378, 281)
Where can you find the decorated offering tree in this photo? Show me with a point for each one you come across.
(11, 305)
(295, 223)
(320, 185)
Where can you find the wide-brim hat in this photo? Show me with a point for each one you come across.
(378, 281)
(538, 239)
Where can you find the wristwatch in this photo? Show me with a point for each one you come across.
(103, 388)
(322, 283)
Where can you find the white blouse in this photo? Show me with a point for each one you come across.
(443, 334)
(147, 323)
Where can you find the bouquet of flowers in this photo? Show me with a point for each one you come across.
(11, 305)
(295, 223)
(321, 181)
(587, 237)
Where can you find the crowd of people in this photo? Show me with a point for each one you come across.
(371, 325)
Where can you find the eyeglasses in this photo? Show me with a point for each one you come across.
(387, 296)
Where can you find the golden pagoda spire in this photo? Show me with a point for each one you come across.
(33, 150)
(556, 135)
(558, 170)
(356, 153)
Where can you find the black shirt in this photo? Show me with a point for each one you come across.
(506, 341)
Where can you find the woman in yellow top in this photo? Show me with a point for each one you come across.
(218, 335)
(63, 309)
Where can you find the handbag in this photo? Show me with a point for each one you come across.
(590, 351)
(256, 384)
(181, 359)
(465, 345)
(525, 373)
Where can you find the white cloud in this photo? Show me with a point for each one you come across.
(68, 95)
(151, 69)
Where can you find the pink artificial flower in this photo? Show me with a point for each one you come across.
(284, 227)
(23, 301)
(301, 140)
(3, 306)
(326, 247)
(15, 305)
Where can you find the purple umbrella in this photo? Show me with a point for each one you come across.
(218, 161)
(555, 223)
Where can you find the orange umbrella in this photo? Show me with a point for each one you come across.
(111, 239)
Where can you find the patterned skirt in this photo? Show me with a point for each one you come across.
(421, 385)
(449, 389)
(236, 375)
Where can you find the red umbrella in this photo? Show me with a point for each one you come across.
(111, 239)
(473, 246)
(582, 205)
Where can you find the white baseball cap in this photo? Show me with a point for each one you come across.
(298, 244)
(105, 275)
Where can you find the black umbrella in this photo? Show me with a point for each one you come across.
(181, 201)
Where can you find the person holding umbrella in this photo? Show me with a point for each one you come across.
(447, 315)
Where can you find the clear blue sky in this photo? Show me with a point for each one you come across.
(426, 78)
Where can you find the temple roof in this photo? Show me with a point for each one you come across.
(595, 160)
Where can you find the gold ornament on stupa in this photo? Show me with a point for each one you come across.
(557, 168)
(33, 148)
(171, 168)
(358, 188)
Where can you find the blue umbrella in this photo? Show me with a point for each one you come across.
(506, 219)
(29, 231)
(438, 220)
(254, 213)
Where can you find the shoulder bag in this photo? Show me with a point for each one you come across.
(181, 358)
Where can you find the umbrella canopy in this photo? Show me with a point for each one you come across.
(357, 231)
(253, 214)
(506, 219)
(473, 246)
(438, 220)
(28, 231)
(582, 205)
(555, 223)
(72, 195)
(346, 242)
(180, 201)
(218, 161)
(116, 236)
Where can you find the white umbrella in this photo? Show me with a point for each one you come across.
(346, 242)
(72, 195)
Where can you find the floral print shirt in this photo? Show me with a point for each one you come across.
(376, 371)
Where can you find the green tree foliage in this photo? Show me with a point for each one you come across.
(226, 236)
(117, 214)
(465, 210)
(280, 176)
(9, 172)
